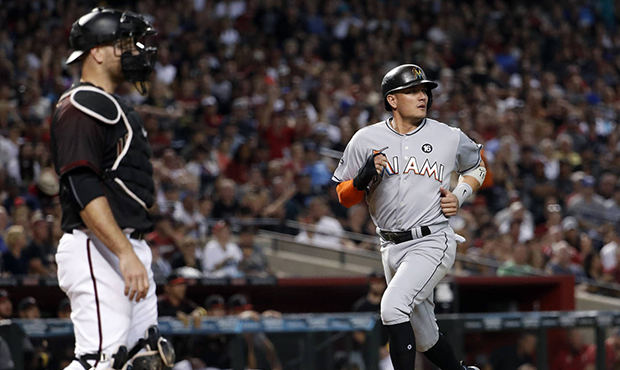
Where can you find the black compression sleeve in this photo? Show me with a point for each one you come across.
(83, 185)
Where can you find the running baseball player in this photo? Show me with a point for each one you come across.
(101, 153)
(402, 168)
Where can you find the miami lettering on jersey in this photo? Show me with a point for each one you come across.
(427, 169)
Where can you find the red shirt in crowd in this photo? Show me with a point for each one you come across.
(567, 359)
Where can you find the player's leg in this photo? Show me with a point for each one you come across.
(420, 265)
(431, 342)
(401, 337)
(144, 313)
(100, 310)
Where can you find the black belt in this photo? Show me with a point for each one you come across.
(397, 237)
(140, 235)
(83, 360)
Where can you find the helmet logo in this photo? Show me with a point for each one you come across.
(417, 72)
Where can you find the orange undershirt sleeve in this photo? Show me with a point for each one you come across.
(348, 195)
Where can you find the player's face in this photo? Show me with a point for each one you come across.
(112, 62)
(411, 103)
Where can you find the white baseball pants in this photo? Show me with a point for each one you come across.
(103, 317)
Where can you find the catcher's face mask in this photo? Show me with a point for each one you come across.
(137, 59)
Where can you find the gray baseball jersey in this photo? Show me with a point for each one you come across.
(406, 197)
(407, 194)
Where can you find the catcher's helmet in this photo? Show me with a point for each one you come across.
(102, 26)
(402, 77)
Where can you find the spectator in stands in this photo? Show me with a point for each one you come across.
(513, 357)
(215, 305)
(261, 353)
(20, 346)
(166, 237)
(213, 349)
(561, 263)
(323, 230)
(187, 214)
(587, 206)
(317, 169)
(185, 257)
(64, 309)
(6, 360)
(28, 309)
(13, 261)
(174, 302)
(612, 350)
(39, 253)
(371, 302)
(516, 216)
(358, 222)
(161, 266)
(575, 354)
(226, 204)
(6, 306)
(609, 251)
(4, 221)
(254, 262)
(220, 257)
(570, 228)
(518, 264)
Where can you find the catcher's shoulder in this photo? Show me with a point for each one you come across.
(93, 102)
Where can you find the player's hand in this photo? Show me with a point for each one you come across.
(380, 163)
(449, 203)
(135, 275)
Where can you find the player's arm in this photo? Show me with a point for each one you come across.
(351, 188)
(97, 215)
(469, 183)
(472, 170)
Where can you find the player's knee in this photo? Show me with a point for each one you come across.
(425, 343)
(393, 311)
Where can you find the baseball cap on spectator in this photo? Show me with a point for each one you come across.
(214, 301)
(238, 303)
(64, 305)
(37, 217)
(577, 176)
(208, 101)
(19, 201)
(588, 181)
(176, 279)
(241, 102)
(26, 303)
(569, 223)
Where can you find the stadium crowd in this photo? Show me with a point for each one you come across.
(251, 100)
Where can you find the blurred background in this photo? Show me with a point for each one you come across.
(248, 110)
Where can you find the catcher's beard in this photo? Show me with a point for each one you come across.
(115, 71)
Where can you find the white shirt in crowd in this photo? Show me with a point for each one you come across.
(213, 254)
(328, 233)
(608, 256)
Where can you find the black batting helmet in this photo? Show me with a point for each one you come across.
(402, 77)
